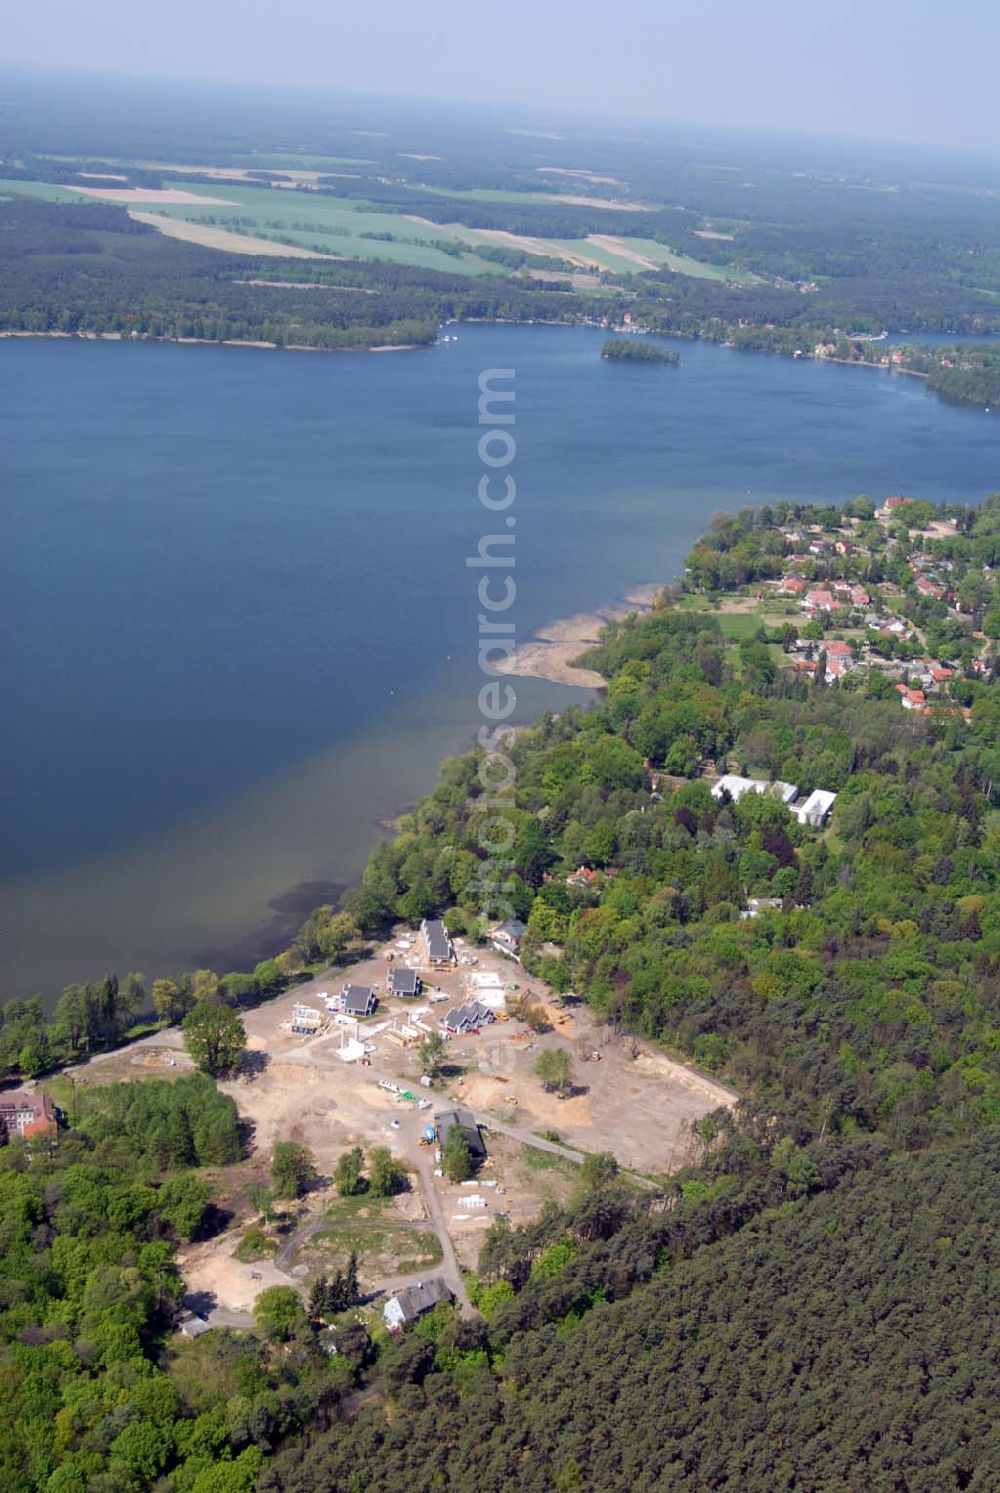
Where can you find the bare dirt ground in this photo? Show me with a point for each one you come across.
(550, 653)
(167, 196)
(522, 241)
(629, 1099)
(620, 246)
(613, 203)
(608, 181)
(212, 237)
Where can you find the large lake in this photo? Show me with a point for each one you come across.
(238, 628)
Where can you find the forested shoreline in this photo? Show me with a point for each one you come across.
(806, 1304)
(89, 270)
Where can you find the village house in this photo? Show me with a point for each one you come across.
(28, 1114)
(407, 1305)
(403, 982)
(465, 1121)
(582, 876)
(438, 946)
(891, 506)
(508, 937)
(461, 1020)
(816, 809)
(836, 648)
(911, 699)
(358, 1000)
(756, 905)
(821, 600)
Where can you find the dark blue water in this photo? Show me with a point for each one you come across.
(238, 625)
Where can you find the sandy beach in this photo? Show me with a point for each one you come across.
(550, 653)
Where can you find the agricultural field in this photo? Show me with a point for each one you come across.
(353, 228)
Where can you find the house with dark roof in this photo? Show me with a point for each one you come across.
(467, 1018)
(405, 982)
(407, 1305)
(358, 1000)
(465, 1121)
(437, 943)
(507, 938)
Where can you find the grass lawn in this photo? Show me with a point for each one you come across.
(547, 1161)
(739, 625)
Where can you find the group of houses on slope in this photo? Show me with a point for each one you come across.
(821, 570)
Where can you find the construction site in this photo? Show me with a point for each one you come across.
(336, 1063)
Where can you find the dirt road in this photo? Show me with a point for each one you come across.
(448, 1269)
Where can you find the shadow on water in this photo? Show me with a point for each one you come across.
(288, 912)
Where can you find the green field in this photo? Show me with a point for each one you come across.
(46, 190)
(330, 224)
(683, 264)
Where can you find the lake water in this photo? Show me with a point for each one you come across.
(238, 627)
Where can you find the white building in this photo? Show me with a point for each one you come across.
(816, 809)
(736, 787)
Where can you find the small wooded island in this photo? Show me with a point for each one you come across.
(630, 350)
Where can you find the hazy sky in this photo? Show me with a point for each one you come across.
(921, 70)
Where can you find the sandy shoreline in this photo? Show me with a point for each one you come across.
(289, 347)
(550, 653)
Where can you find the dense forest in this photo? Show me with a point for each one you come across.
(777, 1333)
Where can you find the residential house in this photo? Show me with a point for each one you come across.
(191, 1324)
(793, 585)
(892, 506)
(437, 943)
(756, 905)
(465, 1120)
(305, 1021)
(404, 982)
(461, 1020)
(835, 648)
(582, 876)
(816, 809)
(407, 1305)
(821, 600)
(358, 1000)
(508, 937)
(912, 699)
(28, 1114)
